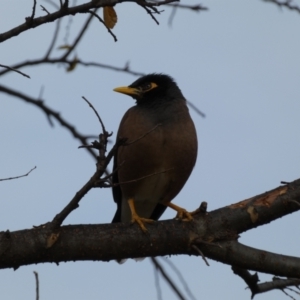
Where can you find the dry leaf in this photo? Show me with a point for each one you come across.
(72, 65)
(63, 47)
(110, 16)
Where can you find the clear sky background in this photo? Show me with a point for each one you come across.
(239, 62)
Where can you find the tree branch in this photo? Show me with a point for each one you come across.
(20, 176)
(50, 113)
(287, 4)
(65, 11)
(12, 69)
(168, 279)
(252, 282)
(212, 232)
(27, 63)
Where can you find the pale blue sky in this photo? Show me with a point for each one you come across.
(239, 62)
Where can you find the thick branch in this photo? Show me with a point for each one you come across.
(211, 232)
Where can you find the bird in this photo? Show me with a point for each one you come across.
(158, 152)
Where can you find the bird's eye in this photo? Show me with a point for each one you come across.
(146, 86)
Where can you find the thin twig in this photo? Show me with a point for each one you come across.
(55, 35)
(37, 288)
(157, 285)
(33, 10)
(95, 111)
(258, 288)
(167, 278)
(152, 4)
(50, 113)
(80, 35)
(181, 278)
(62, 60)
(107, 177)
(201, 254)
(16, 177)
(196, 8)
(12, 69)
(148, 11)
(100, 19)
(287, 4)
(196, 109)
(44, 9)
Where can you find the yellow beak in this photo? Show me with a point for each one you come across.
(127, 90)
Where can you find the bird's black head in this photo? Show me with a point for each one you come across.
(152, 89)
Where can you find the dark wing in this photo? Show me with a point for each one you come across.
(116, 190)
(158, 211)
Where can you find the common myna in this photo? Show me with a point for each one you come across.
(160, 151)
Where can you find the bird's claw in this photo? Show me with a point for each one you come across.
(184, 215)
(141, 221)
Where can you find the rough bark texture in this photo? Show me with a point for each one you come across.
(215, 234)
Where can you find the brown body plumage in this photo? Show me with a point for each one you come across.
(160, 151)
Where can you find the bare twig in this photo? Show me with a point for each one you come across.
(157, 285)
(74, 203)
(16, 177)
(100, 19)
(175, 6)
(33, 10)
(252, 281)
(201, 254)
(55, 5)
(59, 60)
(159, 3)
(44, 9)
(102, 163)
(55, 35)
(12, 69)
(181, 278)
(287, 4)
(167, 278)
(143, 4)
(80, 35)
(50, 113)
(95, 111)
(196, 8)
(196, 109)
(37, 287)
(103, 181)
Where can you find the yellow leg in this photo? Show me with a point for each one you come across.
(182, 214)
(136, 218)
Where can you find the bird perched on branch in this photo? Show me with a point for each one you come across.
(159, 153)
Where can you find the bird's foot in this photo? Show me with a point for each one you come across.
(182, 214)
(140, 221)
(135, 218)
